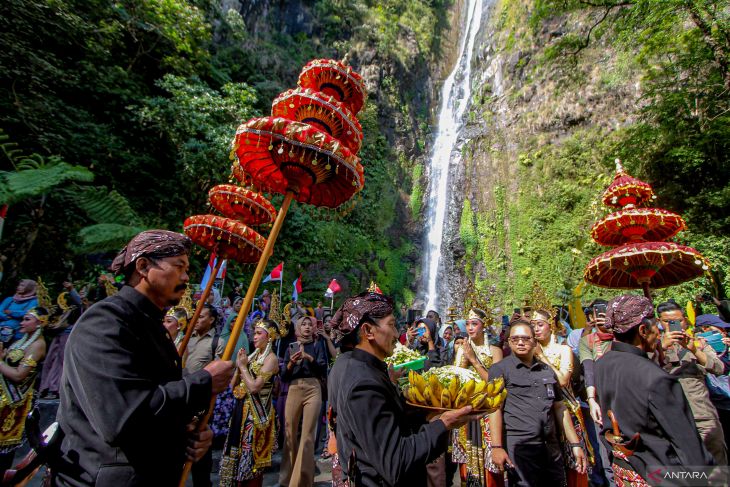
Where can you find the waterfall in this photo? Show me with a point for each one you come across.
(455, 95)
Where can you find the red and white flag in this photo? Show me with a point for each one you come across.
(275, 273)
(332, 289)
(297, 288)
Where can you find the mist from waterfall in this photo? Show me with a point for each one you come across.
(455, 95)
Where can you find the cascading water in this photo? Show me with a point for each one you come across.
(455, 95)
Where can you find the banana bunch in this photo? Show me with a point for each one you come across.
(453, 393)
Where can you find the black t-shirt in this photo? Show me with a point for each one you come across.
(531, 393)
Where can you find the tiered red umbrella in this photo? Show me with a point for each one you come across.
(228, 238)
(280, 156)
(336, 79)
(642, 258)
(321, 111)
(303, 158)
(242, 204)
(637, 225)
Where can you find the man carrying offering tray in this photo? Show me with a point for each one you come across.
(378, 442)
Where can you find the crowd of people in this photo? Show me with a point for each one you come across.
(638, 387)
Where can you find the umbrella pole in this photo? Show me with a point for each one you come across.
(199, 307)
(238, 326)
(645, 287)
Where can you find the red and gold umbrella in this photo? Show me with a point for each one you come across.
(335, 79)
(241, 204)
(283, 156)
(637, 225)
(321, 111)
(626, 190)
(644, 265)
(228, 238)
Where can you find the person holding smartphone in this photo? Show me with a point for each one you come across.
(306, 365)
(690, 360)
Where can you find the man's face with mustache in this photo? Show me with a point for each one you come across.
(168, 278)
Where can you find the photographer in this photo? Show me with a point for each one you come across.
(690, 360)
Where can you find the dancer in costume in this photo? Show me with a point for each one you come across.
(18, 369)
(471, 443)
(251, 437)
(560, 359)
(175, 322)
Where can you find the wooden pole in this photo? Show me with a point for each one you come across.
(199, 307)
(238, 326)
(647, 292)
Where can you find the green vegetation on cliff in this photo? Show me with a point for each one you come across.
(583, 83)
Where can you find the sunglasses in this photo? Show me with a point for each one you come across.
(518, 339)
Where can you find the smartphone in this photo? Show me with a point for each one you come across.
(675, 325)
(599, 309)
(293, 348)
(420, 332)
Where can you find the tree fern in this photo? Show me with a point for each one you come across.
(106, 237)
(26, 183)
(104, 206)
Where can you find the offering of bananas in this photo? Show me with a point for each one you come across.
(453, 387)
(402, 355)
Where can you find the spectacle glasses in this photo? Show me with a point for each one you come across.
(518, 339)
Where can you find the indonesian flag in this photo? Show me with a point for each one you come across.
(297, 285)
(332, 289)
(209, 270)
(275, 273)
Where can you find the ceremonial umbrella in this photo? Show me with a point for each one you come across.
(322, 111)
(300, 161)
(242, 204)
(229, 239)
(645, 265)
(637, 225)
(335, 79)
(626, 190)
(642, 258)
(279, 156)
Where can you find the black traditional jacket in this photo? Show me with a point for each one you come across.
(124, 401)
(647, 400)
(389, 446)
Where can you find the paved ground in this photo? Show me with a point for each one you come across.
(271, 478)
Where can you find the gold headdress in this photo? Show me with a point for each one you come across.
(476, 307)
(44, 299)
(63, 302)
(42, 318)
(538, 301)
(276, 317)
(187, 301)
(183, 311)
(374, 288)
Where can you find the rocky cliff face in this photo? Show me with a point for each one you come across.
(401, 49)
(536, 156)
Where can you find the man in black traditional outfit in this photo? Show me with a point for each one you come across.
(644, 399)
(378, 443)
(126, 410)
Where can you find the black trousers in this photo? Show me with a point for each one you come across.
(536, 464)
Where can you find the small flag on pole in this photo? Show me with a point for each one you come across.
(297, 284)
(209, 270)
(275, 273)
(332, 289)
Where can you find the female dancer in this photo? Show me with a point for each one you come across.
(560, 359)
(471, 443)
(18, 370)
(251, 436)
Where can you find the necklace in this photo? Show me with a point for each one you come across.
(17, 349)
